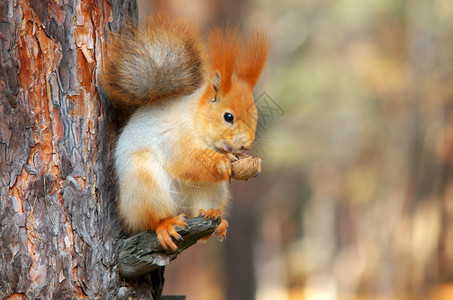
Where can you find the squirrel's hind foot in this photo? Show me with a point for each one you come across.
(213, 214)
(165, 230)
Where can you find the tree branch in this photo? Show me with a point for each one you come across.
(143, 253)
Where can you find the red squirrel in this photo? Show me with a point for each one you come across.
(193, 109)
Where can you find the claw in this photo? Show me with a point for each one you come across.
(165, 230)
(221, 230)
(211, 214)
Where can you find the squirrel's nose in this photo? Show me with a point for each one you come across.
(246, 146)
(244, 142)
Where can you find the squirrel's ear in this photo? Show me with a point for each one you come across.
(252, 57)
(215, 82)
(223, 52)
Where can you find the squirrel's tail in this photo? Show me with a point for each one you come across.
(164, 59)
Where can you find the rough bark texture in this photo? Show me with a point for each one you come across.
(59, 237)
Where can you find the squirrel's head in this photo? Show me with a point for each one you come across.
(227, 109)
(228, 119)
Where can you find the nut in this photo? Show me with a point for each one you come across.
(245, 167)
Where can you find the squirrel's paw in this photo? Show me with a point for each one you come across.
(224, 168)
(165, 230)
(221, 229)
(213, 214)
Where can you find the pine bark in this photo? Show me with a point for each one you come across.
(59, 237)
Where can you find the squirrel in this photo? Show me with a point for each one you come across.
(192, 109)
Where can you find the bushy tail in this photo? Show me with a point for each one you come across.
(161, 60)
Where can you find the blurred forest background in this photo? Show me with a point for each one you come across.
(356, 133)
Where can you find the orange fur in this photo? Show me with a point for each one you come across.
(242, 55)
(238, 101)
(252, 58)
(200, 165)
(197, 161)
(146, 215)
(223, 51)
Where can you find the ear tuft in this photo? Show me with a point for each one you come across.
(252, 57)
(223, 52)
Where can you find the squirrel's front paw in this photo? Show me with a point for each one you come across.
(224, 168)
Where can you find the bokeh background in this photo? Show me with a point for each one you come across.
(356, 134)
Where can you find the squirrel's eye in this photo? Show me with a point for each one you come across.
(228, 117)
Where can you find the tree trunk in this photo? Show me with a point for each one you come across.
(59, 237)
